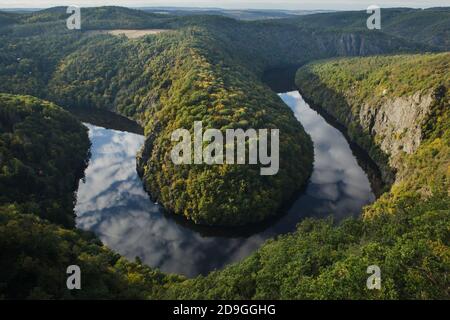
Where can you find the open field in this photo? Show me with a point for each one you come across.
(130, 34)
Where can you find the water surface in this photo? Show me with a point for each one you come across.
(112, 202)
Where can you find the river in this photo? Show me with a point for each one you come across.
(112, 203)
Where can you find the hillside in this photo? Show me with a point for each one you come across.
(384, 101)
(40, 40)
(209, 68)
(201, 85)
(43, 153)
(405, 232)
(214, 76)
(430, 26)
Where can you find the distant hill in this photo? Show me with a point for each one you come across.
(102, 18)
(428, 26)
(8, 18)
(405, 232)
(209, 68)
(248, 14)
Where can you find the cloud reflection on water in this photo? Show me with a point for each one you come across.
(112, 202)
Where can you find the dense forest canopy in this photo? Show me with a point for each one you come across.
(209, 68)
(430, 26)
(200, 86)
(41, 40)
(405, 232)
(395, 79)
(43, 153)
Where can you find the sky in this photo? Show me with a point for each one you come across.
(231, 4)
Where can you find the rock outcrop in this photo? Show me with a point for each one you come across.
(397, 123)
(382, 102)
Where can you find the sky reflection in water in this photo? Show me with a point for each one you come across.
(112, 202)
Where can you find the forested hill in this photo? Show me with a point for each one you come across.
(93, 19)
(43, 153)
(386, 111)
(207, 68)
(405, 232)
(7, 19)
(34, 44)
(429, 26)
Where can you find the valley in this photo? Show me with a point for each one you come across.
(387, 91)
(112, 203)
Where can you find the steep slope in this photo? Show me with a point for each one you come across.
(7, 19)
(405, 232)
(43, 152)
(430, 26)
(215, 65)
(384, 101)
(32, 48)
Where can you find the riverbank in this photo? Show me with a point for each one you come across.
(404, 233)
(112, 202)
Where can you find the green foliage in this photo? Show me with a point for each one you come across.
(201, 85)
(343, 86)
(7, 19)
(322, 261)
(405, 232)
(430, 26)
(43, 152)
(27, 63)
(34, 256)
(205, 85)
(208, 69)
(371, 79)
(33, 45)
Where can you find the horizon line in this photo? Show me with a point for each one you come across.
(215, 8)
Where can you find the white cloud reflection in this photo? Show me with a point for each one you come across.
(113, 204)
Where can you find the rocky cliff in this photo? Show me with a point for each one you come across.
(397, 123)
(384, 105)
